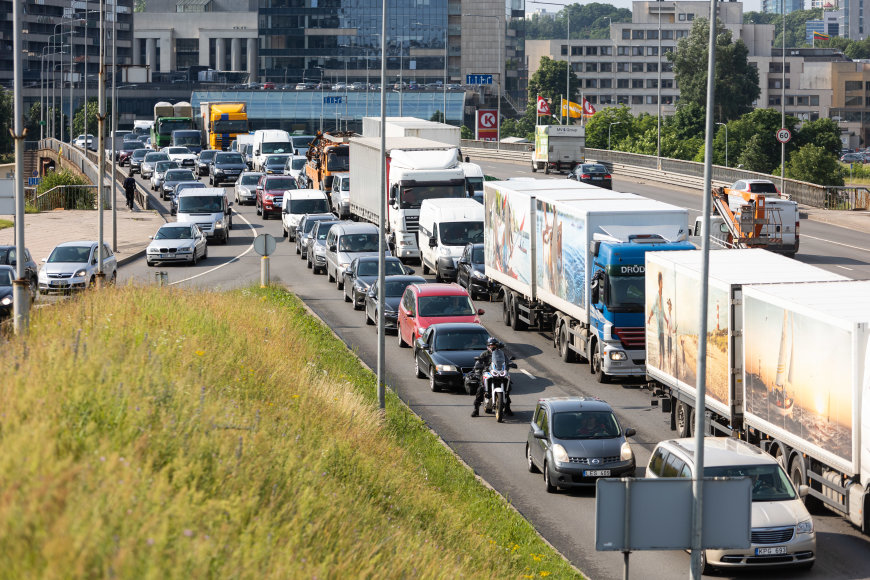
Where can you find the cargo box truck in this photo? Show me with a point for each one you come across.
(558, 147)
(413, 127)
(417, 170)
(570, 258)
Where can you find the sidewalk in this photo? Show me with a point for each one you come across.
(857, 219)
(43, 231)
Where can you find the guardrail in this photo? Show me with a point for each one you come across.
(67, 197)
(687, 173)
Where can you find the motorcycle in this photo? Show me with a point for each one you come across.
(497, 382)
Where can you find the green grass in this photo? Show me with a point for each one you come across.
(163, 433)
(6, 224)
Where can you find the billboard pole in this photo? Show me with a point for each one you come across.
(698, 483)
(382, 238)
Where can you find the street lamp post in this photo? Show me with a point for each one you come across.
(726, 142)
(659, 95)
(568, 72)
(608, 132)
(114, 124)
(101, 147)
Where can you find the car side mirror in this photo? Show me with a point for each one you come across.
(433, 242)
(347, 272)
(409, 271)
(420, 344)
(45, 259)
(538, 433)
(630, 432)
(481, 312)
(803, 491)
(331, 247)
(593, 293)
(150, 237)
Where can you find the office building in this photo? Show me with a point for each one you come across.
(829, 24)
(775, 6)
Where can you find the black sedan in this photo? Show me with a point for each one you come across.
(7, 274)
(469, 273)
(395, 286)
(136, 158)
(446, 352)
(8, 258)
(205, 159)
(593, 174)
(362, 273)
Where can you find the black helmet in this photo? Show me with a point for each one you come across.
(492, 342)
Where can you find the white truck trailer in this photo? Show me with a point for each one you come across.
(558, 147)
(417, 170)
(570, 257)
(413, 127)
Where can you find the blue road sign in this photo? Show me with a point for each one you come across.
(478, 79)
(33, 181)
(332, 100)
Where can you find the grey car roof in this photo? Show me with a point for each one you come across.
(356, 228)
(568, 404)
(721, 451)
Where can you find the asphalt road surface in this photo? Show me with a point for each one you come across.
(496, 451)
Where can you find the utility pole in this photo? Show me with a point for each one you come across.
(114, 123)
(659, 94)
(568, 72)
(382, 230)
(20, 286)
(101, 140)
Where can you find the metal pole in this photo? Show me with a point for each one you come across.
(401, 83)
(42, 95)
(382, 237)
(659, 96)
(20, 286)
(501, 68)
(61, 77)
(568, 71)
(52, 120)
(71, 69)
(114, 123)
(782, 147)
(101, 139)
(85, 83)
(698, 482)
(445, 74)
(321, 99)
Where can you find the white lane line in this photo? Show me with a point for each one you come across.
(837, 243)
(236, 259)
(527, 373)
(843, 267)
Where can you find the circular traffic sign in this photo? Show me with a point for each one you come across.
(264, 244)
(783, 135)
(487, 121)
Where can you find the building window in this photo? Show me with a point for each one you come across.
(651, 100)
(605, 83)
(667, 34)
(637, 83)
(652, 67)
(576, 51)
(853, 102)
(622, 67)
(621, 83)
(623, 50)
(773, 101)
(622, 99)
(591, 50)
(854, 85)
(564, 50)
(637, 67)
(652, 83)
(193, 6)
(591, 83)
(667, 83)
(636, 51)
(667, 67)
(776, 67)
(605, 67)
(805, 101)
(652, 51)
(814, 100)
(606, 50)
(637, 99)
(775, 83)
(681, 34)
(626, 34)
(637, 34)
(867, 86)
(605, 99)
(789, 101)
(591, 67)
(592, 99)
(667, 99)
(652, 34)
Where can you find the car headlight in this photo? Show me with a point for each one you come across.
(444, 251)
(6, 301)
(218, 170)
(625, 453)
(559, 454)
(167, 187)
(445, 368)
(343, 265)
(805, 527)
(80, 273)
(617, 355)
(218, 225)
(268, 196)
(184, 250)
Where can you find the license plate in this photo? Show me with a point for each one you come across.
(771, 551)
(167, 255)
(58, 283)
(597, 178)
(596, 473)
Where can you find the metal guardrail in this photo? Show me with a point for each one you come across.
(689, 173)
(67, 197)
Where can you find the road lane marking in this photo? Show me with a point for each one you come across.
(236, 259)
(527, 373)
(837, 243)
(843, 267)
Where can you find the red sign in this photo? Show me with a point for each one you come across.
(588, 109)
(487, 125)
(543, 107)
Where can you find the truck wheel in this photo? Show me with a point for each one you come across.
(683, 419)
(506, 309)
(798, 477)
(566, 353)
(596, 366)
(534, 167)
(516, 323)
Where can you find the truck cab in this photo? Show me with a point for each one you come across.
(617, 300)
(327, 155)
(190, 138)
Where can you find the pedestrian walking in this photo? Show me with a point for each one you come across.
(129, 190)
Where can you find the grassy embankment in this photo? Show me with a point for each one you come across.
(156, 433)
(6, 224)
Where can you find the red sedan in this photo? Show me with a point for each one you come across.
(423, 305)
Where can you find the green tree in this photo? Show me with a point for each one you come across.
(437, 117)
(618, 120)
(93, 110)
(824, 133)
(31, 122)
(754, 156)
(549, 82)
(587, 21)
(736, 82)
(466, 133)
(761, 124)
(814, 164)
(7, 114)
(858, 49)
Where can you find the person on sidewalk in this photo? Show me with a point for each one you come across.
(129, 190)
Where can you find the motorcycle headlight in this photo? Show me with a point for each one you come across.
(6, 301)
(625, 453)
(80, 273)
(617, 355)
(805, 527)
(559, 454)
(445, 368)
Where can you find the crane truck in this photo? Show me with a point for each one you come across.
(327, 154)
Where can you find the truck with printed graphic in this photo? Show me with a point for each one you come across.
(558, 147)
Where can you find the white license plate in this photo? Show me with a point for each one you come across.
(59, 283)
(596, 473)
(167, 255)
(771, 551)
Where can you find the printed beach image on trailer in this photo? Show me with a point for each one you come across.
(561, 253)
(507, 243)
(786, 385)
(672, 330)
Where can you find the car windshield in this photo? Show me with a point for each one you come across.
(302, 206)
(192, 139)
(155, 157)
(77, 254)
(461, 233)
(250, 178)
(769, 482)
(173, 233)
(180, 175)
(297, 164)
(397, 287)
(338, 160)
(323, 230)
(201, 204)
(139, 154)
(477, 255)
(231, 126)
(370, 268)
(308, 225)
(471, 339)
(207, 155)
(358, 242)
(345, 184)
(132, 145)
(167, 126)
(413, 197)
(474, 184)
(5, 277)
(229, 158)
(279, 147)
(164, 165)
(445, 306)
(189, 185)
(276, 160)
(301, 141)
(284, 183)
(625, 293)
(585, 425)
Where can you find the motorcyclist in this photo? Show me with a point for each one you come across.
(482, 363)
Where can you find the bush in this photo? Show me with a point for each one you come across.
(71, 197)
(814, 164)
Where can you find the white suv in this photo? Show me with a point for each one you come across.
(782, 528)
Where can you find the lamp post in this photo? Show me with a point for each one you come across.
(782, 149)
(568, 72)
(20, 286)
(608, 132)
(101, 144)
(501, 41)
(659, 95)
(114, 124)
(726, 142)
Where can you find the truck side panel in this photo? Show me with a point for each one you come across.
(508, 234)
(365, 195)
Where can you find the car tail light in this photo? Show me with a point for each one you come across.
(585, 176)
(607, 176)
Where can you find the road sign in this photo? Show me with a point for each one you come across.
(332, 100)
(264, 244)
(33, 181)
(783, 135)
(487, 120)
(486, 127)
(478, 79)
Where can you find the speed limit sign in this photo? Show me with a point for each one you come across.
(783, 135)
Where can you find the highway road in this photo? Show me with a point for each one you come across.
(496, 451)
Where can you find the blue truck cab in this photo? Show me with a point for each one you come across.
(617, 304)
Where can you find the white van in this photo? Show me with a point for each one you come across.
(446, 226)
(473, 180)
(209, 209)
(296, 203)
(267, 142)
(340, 194)
(782, 528)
